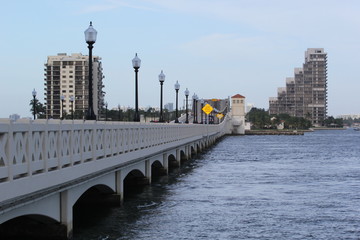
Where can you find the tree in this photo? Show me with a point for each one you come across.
(333, 122)
(259, 118)
(39, 107)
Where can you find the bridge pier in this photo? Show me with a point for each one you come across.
(165, 163)
(148, 170)
(66, 213)
(119, 185)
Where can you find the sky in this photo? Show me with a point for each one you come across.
(215, 48)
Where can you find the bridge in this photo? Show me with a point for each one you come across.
(46, 166)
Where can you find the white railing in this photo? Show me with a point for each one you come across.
(30, 148)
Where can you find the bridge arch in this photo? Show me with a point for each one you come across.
(134, 181)
(172, 162)
(105, 184)
(157, 169)
(34, 226)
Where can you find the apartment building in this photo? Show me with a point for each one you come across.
(305, 94)
(66, 85)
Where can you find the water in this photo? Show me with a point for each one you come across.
(250, 187)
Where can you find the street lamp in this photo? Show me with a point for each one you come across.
(90, 38)
(187, 114)
(72, 107)
(34, 103)
(62, 97)
(194, 97)
(161, 80)
(202, 112)
(136, 62)
(106, 111)
(177, 87)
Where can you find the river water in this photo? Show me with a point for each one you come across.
(247, 187)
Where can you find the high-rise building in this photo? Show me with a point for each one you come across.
(66, 77)
(305, 95)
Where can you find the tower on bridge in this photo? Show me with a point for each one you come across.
(237, 114)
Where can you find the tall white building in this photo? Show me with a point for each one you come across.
(305, 94)
(66, 77)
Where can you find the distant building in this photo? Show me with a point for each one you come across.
(305, 94)
(68, 76)
(14, 117)
(349, 116)
(169, 107)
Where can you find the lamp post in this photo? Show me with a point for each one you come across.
(187, 114)
(202, 112)
(177, 87)
(194, 97)
(106, 111)
(90, 38)
(119, 113)
(34, 103)
(136, 62)
(72, 107)
(161, 80)
(62, 97)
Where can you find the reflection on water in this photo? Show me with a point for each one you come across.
(250, 187)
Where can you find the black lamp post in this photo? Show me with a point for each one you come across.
(161, 80)
(90, 38)
(194, 97)
(72, 107)
(136, 62)
(119, 113)
(34, 103)
(106, 111)
(187, 114)
(177, 87)
(62, 97)
(202, 112)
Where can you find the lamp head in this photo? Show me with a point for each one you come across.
(90, 34)
(177, 86)
(136, 62)
(187, 92)
(161, 77)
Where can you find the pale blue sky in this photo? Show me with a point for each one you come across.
(215, 48)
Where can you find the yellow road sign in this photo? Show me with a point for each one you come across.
(219, 115)
(207, 109)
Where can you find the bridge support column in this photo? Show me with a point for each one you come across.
(66, 213)
(178, 157)
(188, 152)
(119, 185)
(166, 163)
(148, 170)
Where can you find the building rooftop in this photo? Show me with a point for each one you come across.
(237, 96)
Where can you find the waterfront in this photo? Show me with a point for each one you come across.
(250, 187)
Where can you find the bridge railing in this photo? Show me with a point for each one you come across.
(29, 148)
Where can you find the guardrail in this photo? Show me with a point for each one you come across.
(30, 147)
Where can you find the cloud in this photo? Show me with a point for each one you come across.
(107, 5)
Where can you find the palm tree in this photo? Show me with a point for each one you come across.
(40, 109)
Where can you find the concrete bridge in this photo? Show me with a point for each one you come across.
(47, 166)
